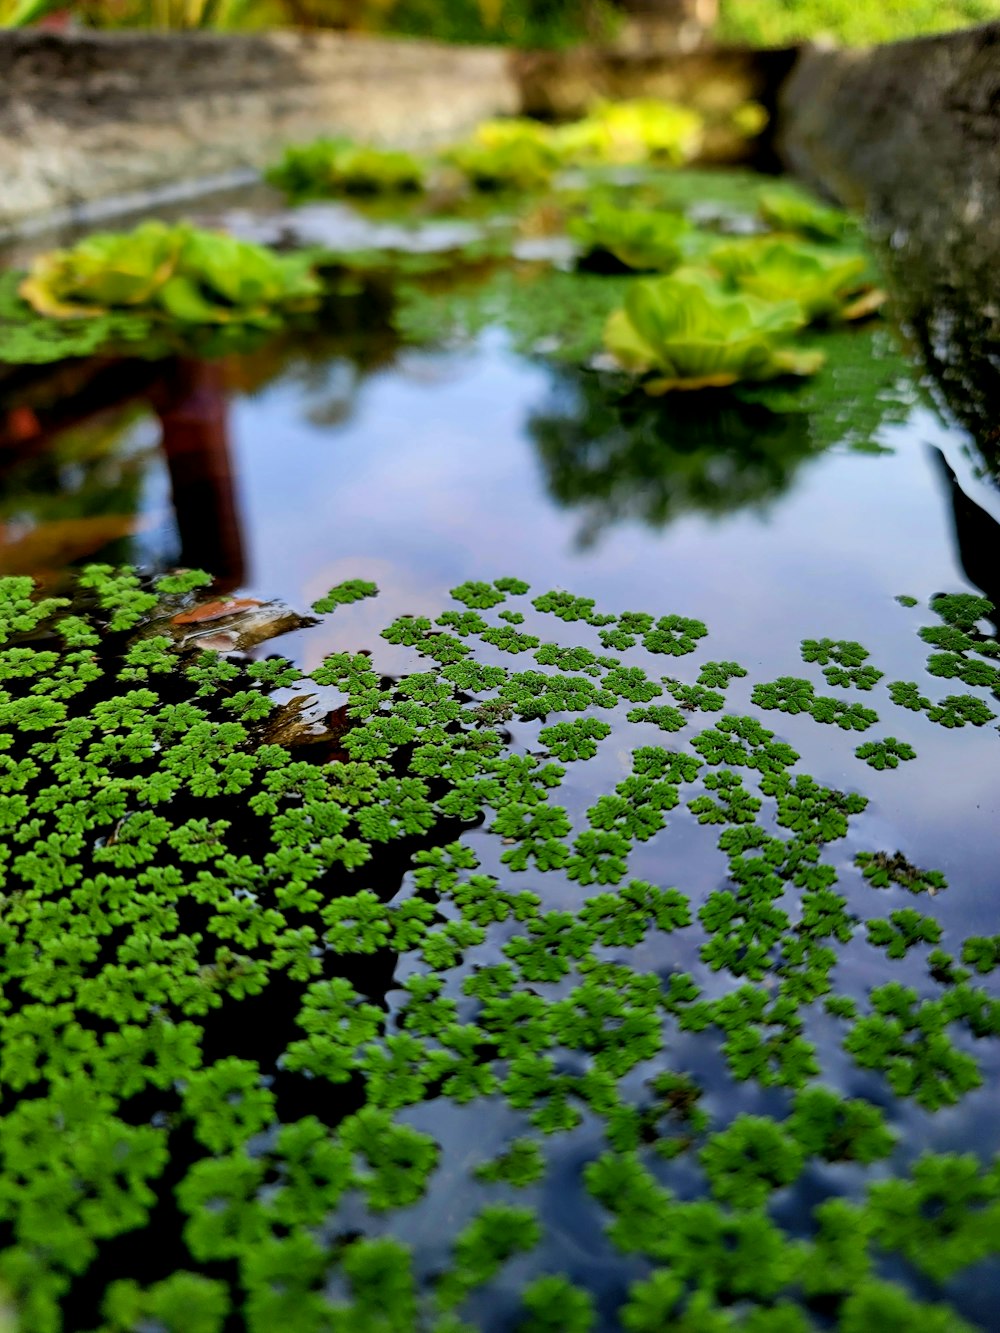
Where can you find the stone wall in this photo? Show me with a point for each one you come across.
(93, 122)
(909, 134)
(99, 116)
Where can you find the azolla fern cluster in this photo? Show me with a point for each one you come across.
(335, 1028)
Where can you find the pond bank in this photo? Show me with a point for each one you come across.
(907, 134)
(95, 123)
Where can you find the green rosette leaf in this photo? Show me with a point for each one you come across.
(689, 334)
(644, 241)
(822, 280)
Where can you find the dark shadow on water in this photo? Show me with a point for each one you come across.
(977, 536)
(621, 457)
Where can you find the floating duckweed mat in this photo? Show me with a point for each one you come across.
(402, 1021)
(563, 314)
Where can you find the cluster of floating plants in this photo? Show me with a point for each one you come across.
(828, 284)
(159, 289)
(635, 240)
(722, 311)
(510, 154)
(684, 332)
(341, 166)
(301, 1018)
(179, 273)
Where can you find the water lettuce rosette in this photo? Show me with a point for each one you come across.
(334, 166)
(789, 210)
(518, 163)
(685, 332)
(641, 130)
(636, 131)
(828, 283)
(180, 272)
(105, 271)
(640, 240)
(515, 129)
(221, 279)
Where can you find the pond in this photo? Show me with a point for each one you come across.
(440, 431)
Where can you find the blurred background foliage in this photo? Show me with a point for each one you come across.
(777, 22)
(524, 23)
(528, 23)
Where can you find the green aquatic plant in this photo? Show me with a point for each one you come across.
(515, 164)
(641, 130)
(944, 1217)
(105, 271)
(963, 610)
(748, 1161)
(265, 974)
(888, 753)
(521, 1165)
(352, 590)
(902, 931)
(828, 1127)
(908, 1041)
(717, 675)
(181, 1303)
(828, 284)
(555, 1305)
(632, 239)
(955, 710)
(793, 694)
(881, 1305)
(176, 273)
(328, 167)
(680, 332)
(881, 870)
(787, 209)
(982, 952)
(843, 662)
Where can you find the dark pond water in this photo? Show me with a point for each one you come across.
(330, 456)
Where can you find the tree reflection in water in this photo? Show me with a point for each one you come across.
(75, 459)
(621, 456)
